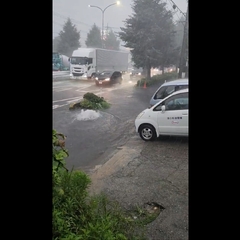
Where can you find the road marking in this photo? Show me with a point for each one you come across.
(58, 106)
(55, 106)
(66, 99)
(68, 102)
(74, 100)
(62, 90)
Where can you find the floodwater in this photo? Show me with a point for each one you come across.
(85, 115)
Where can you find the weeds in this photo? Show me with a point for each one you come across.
(78, 216)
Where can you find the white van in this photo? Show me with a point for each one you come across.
(168, 117)
(167, 88)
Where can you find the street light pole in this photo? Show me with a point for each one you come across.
(103, 10)
(183, 63)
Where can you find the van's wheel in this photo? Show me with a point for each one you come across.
(147, 132)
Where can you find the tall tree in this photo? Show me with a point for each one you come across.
(94, 37)
(111, 41)
(69, 38)
(56, 41)
(149, 33)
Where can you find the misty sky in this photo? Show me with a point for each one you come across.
(84, 17)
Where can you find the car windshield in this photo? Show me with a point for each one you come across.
(105, 74)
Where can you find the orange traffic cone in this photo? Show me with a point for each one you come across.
(145, 85)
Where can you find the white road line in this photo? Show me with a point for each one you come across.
(62, 90)
(74, 100)
(68, 102)
(58, 106)
(66, 99)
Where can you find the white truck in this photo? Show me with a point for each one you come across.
(86, 62)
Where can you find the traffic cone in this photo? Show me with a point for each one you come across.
(145, 85)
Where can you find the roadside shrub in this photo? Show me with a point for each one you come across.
(158, 79)
(78, 216)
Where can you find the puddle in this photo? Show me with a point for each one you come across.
(85, 115)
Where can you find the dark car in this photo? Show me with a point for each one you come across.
(108, 77)
(135, 72)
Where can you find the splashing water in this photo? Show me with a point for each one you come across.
(85, 115)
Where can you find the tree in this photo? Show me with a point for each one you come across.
(149, 33)
(56, 41)
(111, 41)
(94, 37)
(69, 39)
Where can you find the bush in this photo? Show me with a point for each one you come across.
(158, 79)
(76, 215)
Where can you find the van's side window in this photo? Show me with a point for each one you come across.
(164, 92)
(177, 102)
(167, 90)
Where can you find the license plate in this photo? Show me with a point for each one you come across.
(100, 82)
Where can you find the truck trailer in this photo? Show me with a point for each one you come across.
(86, 62)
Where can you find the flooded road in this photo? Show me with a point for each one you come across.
(94, 135)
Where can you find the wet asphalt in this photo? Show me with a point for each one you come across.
(138, 172)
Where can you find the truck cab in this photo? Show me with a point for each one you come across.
(82, 63)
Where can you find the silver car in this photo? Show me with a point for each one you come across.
(168, 88)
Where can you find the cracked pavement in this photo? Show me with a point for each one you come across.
(141, 172)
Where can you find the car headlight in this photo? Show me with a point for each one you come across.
(107, 79)
(96, 78)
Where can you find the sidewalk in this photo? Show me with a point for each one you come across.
(142, 172)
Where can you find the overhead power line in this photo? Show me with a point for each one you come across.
(175, 6)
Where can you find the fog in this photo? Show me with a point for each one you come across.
(84, 17)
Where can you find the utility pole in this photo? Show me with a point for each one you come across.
(183, 63)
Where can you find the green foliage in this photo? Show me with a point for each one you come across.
(91, 101)
(156, 48)
(69, 204)
(111, 41)
(158, 79)
(86, 104)
(78, 216)
(59, 153)
(69, 39)
(93, 98)
(94, 37)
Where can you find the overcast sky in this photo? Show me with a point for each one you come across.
(84, 17)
